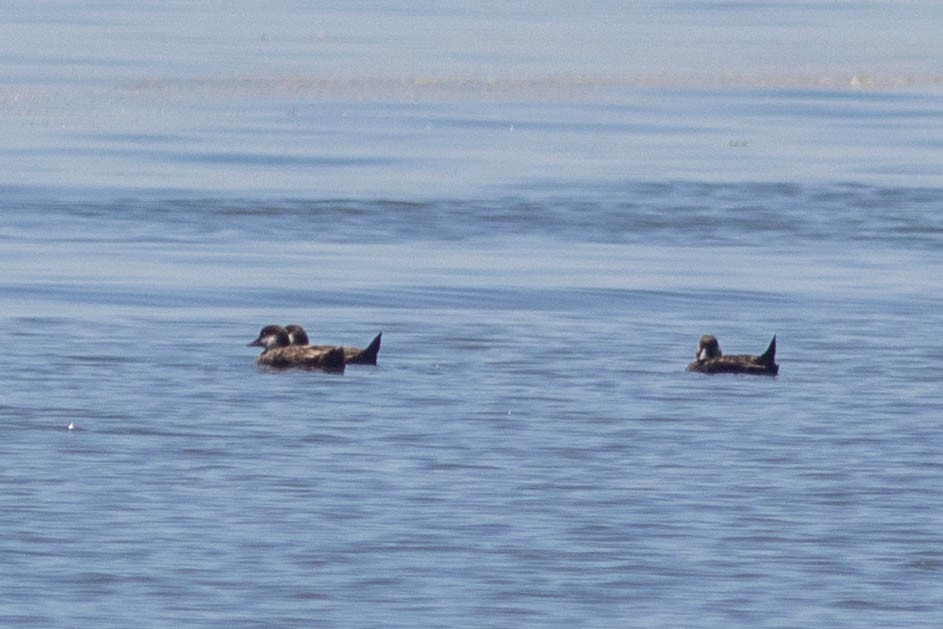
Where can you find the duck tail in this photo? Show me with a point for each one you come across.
(769, 356)
(369, 354)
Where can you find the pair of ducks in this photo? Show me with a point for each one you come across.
(288, 347)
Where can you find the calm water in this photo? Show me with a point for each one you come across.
(542, 211)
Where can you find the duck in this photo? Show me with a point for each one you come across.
(279, 353)
(352, 355)
(709, 359)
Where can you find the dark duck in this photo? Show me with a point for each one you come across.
(279, 353)
(352, 355)
(709, 359)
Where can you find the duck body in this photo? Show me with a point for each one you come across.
(279, 353)
(352, 355)
(710, 360)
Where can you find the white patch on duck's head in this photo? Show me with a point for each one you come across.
(708, 348)
(272, 336)
(297, 334)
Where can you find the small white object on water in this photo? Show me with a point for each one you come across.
(71, 426)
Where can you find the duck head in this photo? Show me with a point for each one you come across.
(708, 348)
(297, 334)
(272, 336)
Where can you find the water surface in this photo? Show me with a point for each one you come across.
(542, 210)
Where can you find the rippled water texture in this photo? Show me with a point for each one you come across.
(542, 209)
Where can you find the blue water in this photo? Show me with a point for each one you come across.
(542, 209)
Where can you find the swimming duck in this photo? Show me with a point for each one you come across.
(709, 359)
(281, 354)
(352, 355)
